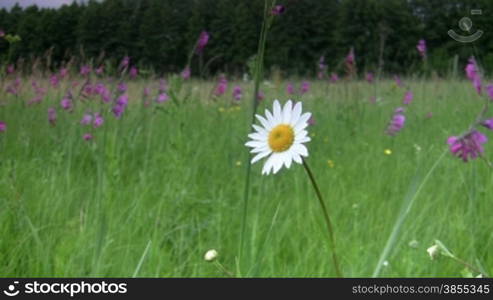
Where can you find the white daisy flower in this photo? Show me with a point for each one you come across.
(281, 136)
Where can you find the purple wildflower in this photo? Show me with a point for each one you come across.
(66, 104)
(147, 91)
(118, 110)
(396, 124)
(14, 88)
(408, 97)
(87, 136)
(186, 73)
(36, 99)
(38, 90)
(85, 70)
(100, 70)
(350, 58)
(63, 72)
(86, 119)
(122, 100)
(369, 77)
(99, 88)
(237, 93)
(488, 124)
(489, 89)
(122, 87)
(398, 81)
(163, 97)
(305, 87)
(98, 120)
(133, 72)
(334, 78)
(469, 146)
(222, 86)
(322, 68)
(52, 116)
(54, 81)
(473, 74)
(421, 46)
(3, 126)
(399, 110)
(278, 10)
(350, 63)
(120, 105)
(125, 62)
(10, 69)
(88, 90)
(105, 95)
(290, 89)
(202, 42)
(471, 69)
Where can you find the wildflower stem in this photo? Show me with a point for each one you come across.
(467, 265)
(223, 269)
(326, 217)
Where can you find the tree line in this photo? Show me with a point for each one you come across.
(158, 35)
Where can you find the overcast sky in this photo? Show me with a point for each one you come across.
(39, 3)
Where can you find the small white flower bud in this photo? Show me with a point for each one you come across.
(210, 255)
(433, 251)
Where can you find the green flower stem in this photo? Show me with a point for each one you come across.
(330, 231)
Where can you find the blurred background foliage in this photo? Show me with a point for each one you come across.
(159, 34)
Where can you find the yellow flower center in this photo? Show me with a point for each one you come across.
(281, 138)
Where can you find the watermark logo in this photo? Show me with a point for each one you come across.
(465, 24)
(11, 290)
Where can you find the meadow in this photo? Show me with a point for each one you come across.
(150, 192)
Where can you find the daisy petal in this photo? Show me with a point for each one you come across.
(278, 162)
(286, 112)
(303, 140)
(268, 165)
(263, 121)
(302, 122)
(259, 129)
(295, 116)
(254, 144)
(260, 156)
(300, 149)
(301, 134)
(260, 149)
(297, 157)
(257, 136)
(288, 158)
(270, 118)
(277, 111)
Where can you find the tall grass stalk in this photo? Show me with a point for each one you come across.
(259, 70)
(409, 200)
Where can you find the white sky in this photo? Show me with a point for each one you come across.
(39, 3)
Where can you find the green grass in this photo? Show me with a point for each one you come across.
(158, 188)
